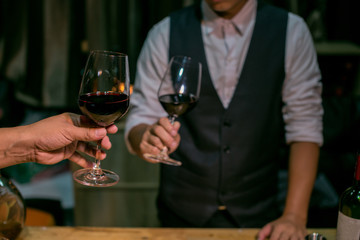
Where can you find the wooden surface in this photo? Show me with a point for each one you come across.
(96, 233)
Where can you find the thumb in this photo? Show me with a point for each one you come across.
(88, 134)
(264, 232)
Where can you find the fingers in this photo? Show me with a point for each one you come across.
(175, 144)
(286, 234)
(112, 129)
(85, 130)
(265, 232)
(105, 143)
(87, 134)
(82, 121)
(282, 229)
(81, 161)
(90, 150)
(150, 144)
(169, 128)
(159, 136)
(165, 134)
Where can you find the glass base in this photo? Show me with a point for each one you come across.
(163, 158)
(104, 178)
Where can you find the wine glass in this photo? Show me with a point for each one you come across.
(178, 93)
(104, 98)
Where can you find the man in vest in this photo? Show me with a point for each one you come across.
(260, 79)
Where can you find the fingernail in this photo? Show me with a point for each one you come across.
(100, 132)
(173, 145)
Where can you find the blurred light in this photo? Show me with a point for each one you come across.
(181, 72)
(182, 89)
(122, 88)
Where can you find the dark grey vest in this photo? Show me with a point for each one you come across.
(230, 156)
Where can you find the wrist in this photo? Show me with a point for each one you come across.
(17, 148)
(296, 216)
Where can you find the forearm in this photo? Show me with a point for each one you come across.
(13, 149)
(303, 163)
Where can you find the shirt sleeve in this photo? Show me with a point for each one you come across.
(302, 87)
(151, 65)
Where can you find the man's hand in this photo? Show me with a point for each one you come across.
(54, 139)
(287, 227)
(153, 138)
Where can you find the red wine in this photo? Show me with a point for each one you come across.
(348, 226)
(177, 104)
(104, 108)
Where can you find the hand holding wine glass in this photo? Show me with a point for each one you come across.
(104, 98)
(178, 93)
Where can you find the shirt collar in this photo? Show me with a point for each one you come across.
(240, 21)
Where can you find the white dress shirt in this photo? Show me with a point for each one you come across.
(226, 43)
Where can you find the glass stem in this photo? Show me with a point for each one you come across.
(96, 169)
(172, 119)
(165, 149)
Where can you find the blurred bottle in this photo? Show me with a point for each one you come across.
(348, 226)
(12, 210)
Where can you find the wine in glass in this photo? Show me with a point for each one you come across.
(178, 93)
(104, 98)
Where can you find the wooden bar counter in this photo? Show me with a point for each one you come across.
(96, 233)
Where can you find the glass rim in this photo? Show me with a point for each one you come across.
(107, 52)
(180, 58)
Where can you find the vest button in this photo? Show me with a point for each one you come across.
(227, 123)
(227, 149)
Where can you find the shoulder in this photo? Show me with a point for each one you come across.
(295, 21)
(159, 32)
(298, 31)
(161, 26)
